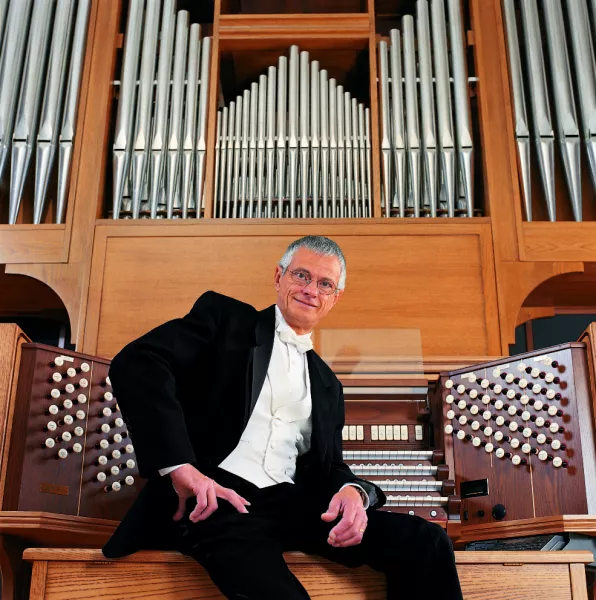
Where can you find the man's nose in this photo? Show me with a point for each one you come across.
(312, 289)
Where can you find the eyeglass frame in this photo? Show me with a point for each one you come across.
(309, 280)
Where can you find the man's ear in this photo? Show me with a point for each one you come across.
(337, 297)
(277, 276)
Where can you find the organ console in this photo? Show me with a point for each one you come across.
(70, 452)
(521, 437)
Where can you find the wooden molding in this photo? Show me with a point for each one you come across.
(561, 241)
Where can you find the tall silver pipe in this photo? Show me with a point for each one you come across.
(216, 173)
(261, 122)
(541, 118)
(3, 13)
(585, 71)
(445, 134)
(355, 158)
(230, 158)
(461, 101)
(223, 176)
(145, 103)
(71, 104)
(11, 65)
(364, 199)
(315, 112)
(173, 200)
(201, 137)
(386, 174)
(252, 147)
(367, 144)
(304, 133)
(190, 119)
(398, 136)
(271, 91)
(341, 151)
(333, 147)
(47, 136)
(27, 119)
(293, 127)
(237, 150)
(244, 152)
(412, 128)
(428, 135)
(282, 83)
(324, 140)
(126, 103)
(566, 121)
(162, 103)
(347, 100)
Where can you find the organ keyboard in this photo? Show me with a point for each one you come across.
(391, 442)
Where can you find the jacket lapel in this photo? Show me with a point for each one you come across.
(261, 356)
(324, 403)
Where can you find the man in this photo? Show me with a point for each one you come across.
(237, 424)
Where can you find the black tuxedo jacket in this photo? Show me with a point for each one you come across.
(187, 389)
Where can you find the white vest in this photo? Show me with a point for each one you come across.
(280, 426)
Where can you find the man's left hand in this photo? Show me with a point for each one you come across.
(350, 529)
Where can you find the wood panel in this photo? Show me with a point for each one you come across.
(143, 276)
(33, 243)
(559, 241)
(77, 574)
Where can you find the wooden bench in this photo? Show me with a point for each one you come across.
(75, 574)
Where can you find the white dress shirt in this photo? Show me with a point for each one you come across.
(280, 427)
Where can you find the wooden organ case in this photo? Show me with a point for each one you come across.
(520, 432)
(70, 452)
(390, 438)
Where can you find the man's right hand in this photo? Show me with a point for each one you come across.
(189, 482)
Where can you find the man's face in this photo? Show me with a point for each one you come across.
(304, 306)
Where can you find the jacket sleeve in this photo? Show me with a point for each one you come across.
(143, 376)
(340, 473)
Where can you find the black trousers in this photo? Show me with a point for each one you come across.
(243, 552)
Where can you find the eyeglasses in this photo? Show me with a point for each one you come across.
(303, 278)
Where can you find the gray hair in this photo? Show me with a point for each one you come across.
(319, 245)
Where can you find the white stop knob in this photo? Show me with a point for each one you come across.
(50, 443)
(105, 428)
(57, 377)
(552, 411)
(449, 384)
(526, 448)
(541, 438)
(80, 414)
(68, 404)
(523, 383)
(499, 436)
(535, 372)
(488, 431)
(496, 372)
(107, 412)
(130, 449)
(130, 463)
(557, 461)
(129, 480)
(69, 388)
(500, 421)
(513, 426)
(53, 409)
(486, 399)
(463, 420)
(499, 405)
(68, 419)
(538, 405)
(514, 443)
(527, 432)
(66, 436)
(101, 477)
(484, 383)
(104, 444)
(524, 399)
(475, 426)
(116, 486)
(85, 367)
(108, 381)
(117, 438)
(509, 378)
(543, 455)
(550, 394)
(114, 470)
(62, 453)
(102, 460)
(474, 409)
(554, 427)
(55, 394)
(58, 361)
(526, 415)
(116, 454)
(473, 394)
(79, 431)
(497, 389)
(486, 415)
(450, 414)
(548, 361)
(83, 383)
(461, 404)
(488, 448)
(449, 399)
(476, 442)
(536, 388)
(51, 426)
(555, 444)
(549, 378)
(448, 429)
(539, 422)
(512, 410)
(500, 453)
(521, 367)
(119, 422)
(77, 447)
(461, 435)
(82, 398)
(511, 394)
(516, 460)
(71, 372)
(108, 396)
(461, 389)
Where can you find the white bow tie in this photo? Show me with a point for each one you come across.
(302, 342)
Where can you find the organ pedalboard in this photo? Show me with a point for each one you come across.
(390, 441)
(521, 432)
(70, 452)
